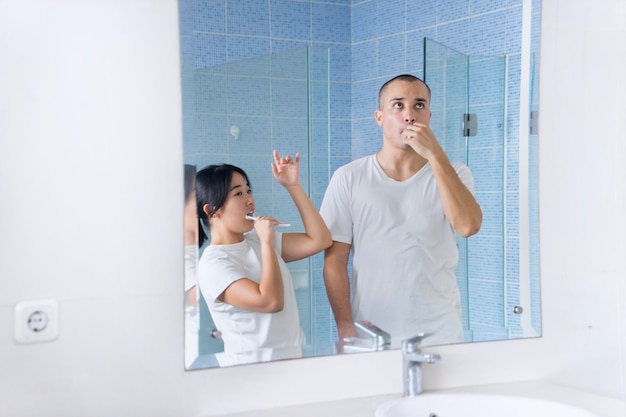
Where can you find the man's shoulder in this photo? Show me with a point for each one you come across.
(356, 165)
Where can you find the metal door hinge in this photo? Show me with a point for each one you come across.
(470, 124)
(534, 122)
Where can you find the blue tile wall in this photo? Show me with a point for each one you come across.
(250, 18)
(330, 23)
(361, 44)
(449, 10)
(394, 47)
(390, 18)
(291, 20)
(421, 14)
(484, 34)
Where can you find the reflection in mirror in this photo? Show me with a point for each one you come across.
(469, 87)
(292, 76)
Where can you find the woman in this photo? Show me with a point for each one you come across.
(242, 273)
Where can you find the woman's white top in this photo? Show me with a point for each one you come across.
(245, 331)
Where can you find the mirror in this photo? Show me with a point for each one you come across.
(293, 76)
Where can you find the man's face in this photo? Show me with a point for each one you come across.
(402, 103)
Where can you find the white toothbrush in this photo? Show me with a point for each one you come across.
(249, 217)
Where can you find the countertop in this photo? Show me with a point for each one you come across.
(366, 406)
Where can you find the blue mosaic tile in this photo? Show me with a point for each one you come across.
(330, 23)
(340, 100)
(341, 139)
(363, 21)
(209, 50)
(292, 64)
(484, 34)
(319, 62)
(365, 61)
(485, 6)
(320, 93)
(289, 98)
(513, 38)
(415, 50)
(455, 35)
(289, 135)
(253, 48)
(421, 14)
(365, 98)
(290, 19)
(449, 10)
(208, 15)
(391, 56)
(390, 18)
(248, 17)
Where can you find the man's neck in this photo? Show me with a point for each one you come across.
(400, 165)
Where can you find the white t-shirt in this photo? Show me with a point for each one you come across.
(404, 249)
(244, 330)
(192, 322)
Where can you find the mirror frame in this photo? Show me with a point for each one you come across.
(203, 36)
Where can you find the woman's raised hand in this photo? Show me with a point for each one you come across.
(286, 170)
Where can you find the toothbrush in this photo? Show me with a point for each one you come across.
(249, 217)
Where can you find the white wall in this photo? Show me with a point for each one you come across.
(91, 171)
(583, 192)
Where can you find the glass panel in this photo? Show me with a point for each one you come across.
(244, 110)
(493, 275)
(446, 73)
(477, 85)
(533, 171)
(533, 198)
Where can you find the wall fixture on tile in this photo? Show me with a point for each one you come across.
(234, 131)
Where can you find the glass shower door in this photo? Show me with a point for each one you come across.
(462, 85)
(241, 112)
(446, 73)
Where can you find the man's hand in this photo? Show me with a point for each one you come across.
(423, 141)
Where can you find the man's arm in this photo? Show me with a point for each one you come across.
(338, 287)
(459, 205)
(461, 208)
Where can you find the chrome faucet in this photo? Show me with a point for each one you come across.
(381, 340)
(412, 360)
(370, 338)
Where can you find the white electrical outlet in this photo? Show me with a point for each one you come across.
(36, 321)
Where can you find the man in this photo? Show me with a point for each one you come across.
(398, 211)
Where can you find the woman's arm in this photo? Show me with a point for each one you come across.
(268, 296)
(316, 236)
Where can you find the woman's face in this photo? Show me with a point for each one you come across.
(238, 205)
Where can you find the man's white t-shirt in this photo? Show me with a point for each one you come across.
(404, 249)
(246, 331)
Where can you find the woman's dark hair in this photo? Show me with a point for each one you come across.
(190, 177)
(212, 187)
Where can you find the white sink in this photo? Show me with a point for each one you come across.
(476, 405)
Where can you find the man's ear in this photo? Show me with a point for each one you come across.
(378, 115)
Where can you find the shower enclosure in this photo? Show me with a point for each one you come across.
(241, 111)
(470, 104)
